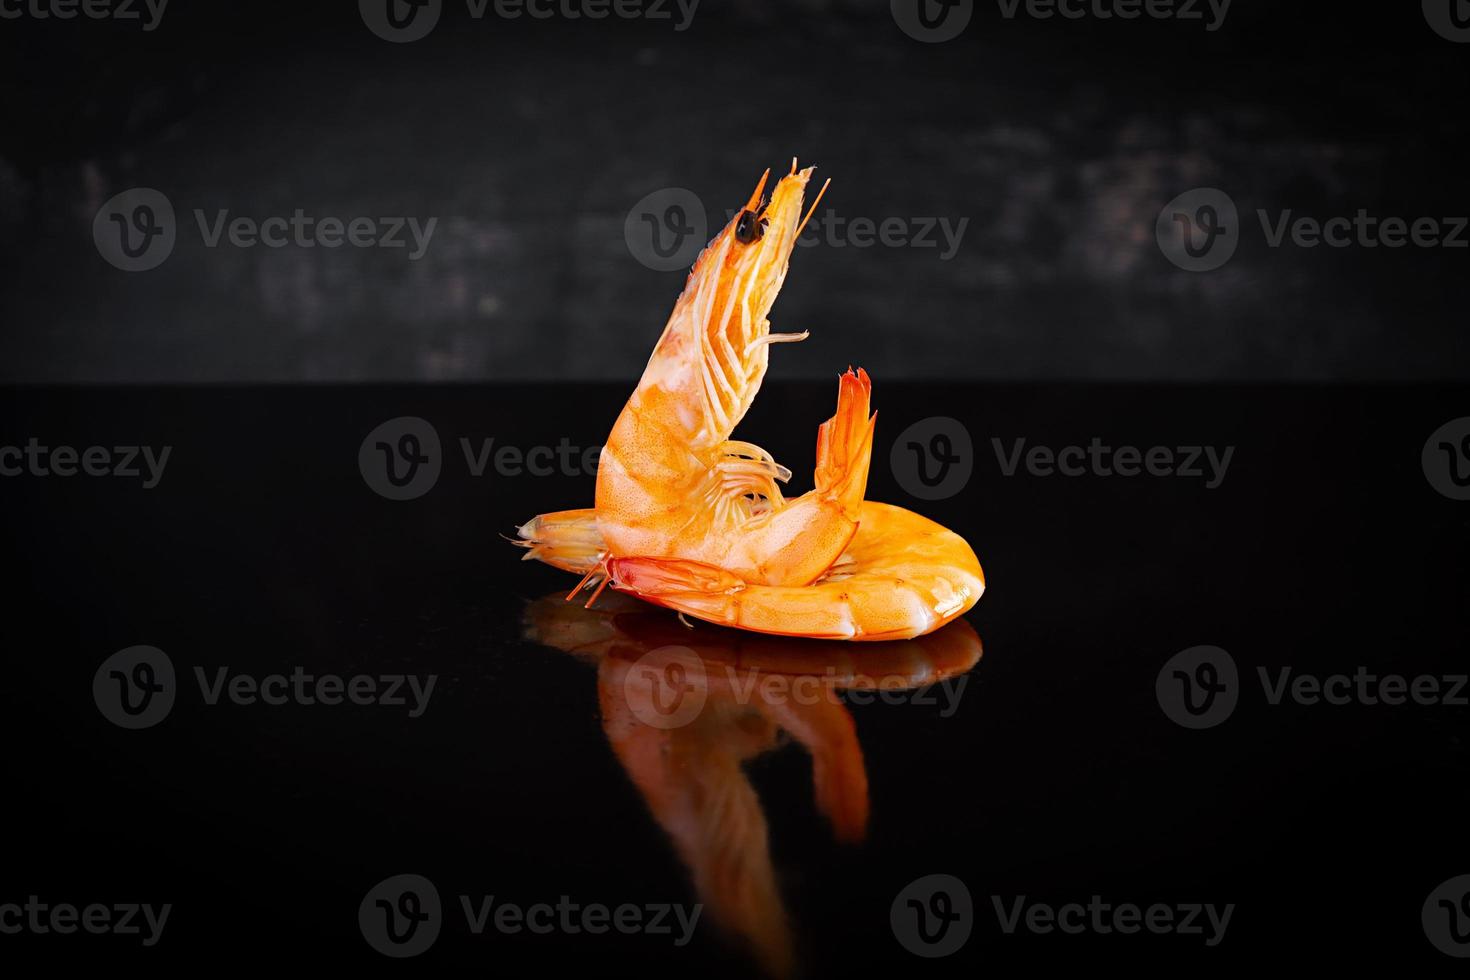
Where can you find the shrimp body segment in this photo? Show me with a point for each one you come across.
(902, 576)
(671, 483)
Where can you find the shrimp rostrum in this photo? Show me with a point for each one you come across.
(688, 517)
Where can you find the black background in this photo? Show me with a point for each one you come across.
(1058, 778)
(1060, 141)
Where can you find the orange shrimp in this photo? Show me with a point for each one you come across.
(671, 483)
(689, 519)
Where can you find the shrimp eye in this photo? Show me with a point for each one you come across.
(749, 227)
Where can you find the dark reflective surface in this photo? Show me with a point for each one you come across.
(685, 708)
(1054, 774)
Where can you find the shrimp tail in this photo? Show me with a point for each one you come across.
(845, 444)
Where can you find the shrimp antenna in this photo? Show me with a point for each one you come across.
(813, 208)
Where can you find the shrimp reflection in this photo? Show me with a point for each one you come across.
(685, 709)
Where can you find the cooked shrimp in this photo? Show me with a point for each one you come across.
(687, 518)
(671, 483)
(901, 576)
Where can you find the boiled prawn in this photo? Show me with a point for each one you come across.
(689, 518)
